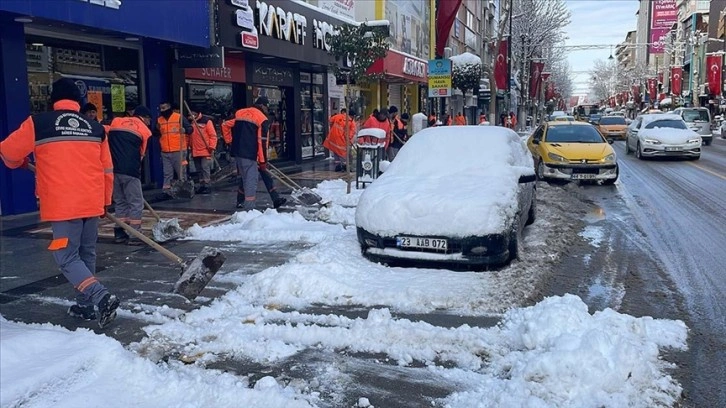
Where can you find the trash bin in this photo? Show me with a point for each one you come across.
(370, 144)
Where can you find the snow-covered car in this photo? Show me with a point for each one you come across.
(662, 134)
(454, 195)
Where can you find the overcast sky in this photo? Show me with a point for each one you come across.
(596, 22)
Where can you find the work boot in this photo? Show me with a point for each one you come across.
(107, 310)
(204, 189)
(119, 235)
(279, 202)
(133, 240)
(246, 205)
(339, 168)
(86, 313)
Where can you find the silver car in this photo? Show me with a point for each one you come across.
(658, 135)
(699, 120)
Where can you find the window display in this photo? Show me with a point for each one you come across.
(313, 121)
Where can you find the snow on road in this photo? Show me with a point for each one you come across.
(551, 354)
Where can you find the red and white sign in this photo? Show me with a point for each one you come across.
(250, 40)
(234, 71)
(713, 72)
(663, 14)
(676, 80)
(396, 64)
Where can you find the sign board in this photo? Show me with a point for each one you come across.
(196, 57)
(96, 98)
(439, 75)
(118, 98)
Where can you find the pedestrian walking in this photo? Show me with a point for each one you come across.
(400, 135)
(127, 140)
(244, 134)
(335, 142)
(203, 141)
(172, 131)
(74, 173)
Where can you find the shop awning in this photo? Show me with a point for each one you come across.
(401, 67)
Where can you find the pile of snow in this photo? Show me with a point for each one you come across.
(455, 181)
(466, 58)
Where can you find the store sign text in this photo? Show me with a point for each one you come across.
(414, 67)
(113, 4)
(217, 73)
(283, 25)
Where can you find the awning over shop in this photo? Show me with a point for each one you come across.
(398, 66)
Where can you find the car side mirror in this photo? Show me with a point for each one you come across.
(527, 178)
(535, 141)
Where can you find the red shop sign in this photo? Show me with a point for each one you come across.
(233, 71)
(402, 66)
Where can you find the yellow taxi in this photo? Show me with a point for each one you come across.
(572, 151)
(613, 127)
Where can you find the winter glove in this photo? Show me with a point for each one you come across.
(262, 166)
(26, 162)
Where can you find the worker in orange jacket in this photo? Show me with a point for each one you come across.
(203, 141)
(127, 139)
(74, 173)
(335, 142)
(172, 131)
(460, 120)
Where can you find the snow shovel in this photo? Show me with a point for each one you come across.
(195, 275)
(302, 195)
(196, 125)
(182, 188)
(165, 230)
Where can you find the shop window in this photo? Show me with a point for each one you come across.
(279, 145)
(211, 98)
(314, 122)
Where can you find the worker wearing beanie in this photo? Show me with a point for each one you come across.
(75, 180)
(127, 139)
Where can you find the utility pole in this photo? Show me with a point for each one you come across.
(509, 56)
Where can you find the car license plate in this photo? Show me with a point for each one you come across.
(583, 176)
(673, 149)
(424, 243)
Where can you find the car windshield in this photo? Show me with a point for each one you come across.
(694, 115)
(666, 123)
(573, 134)
(619, 120)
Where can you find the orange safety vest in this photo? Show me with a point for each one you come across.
(173, 138)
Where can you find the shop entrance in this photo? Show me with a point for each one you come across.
(282, 140)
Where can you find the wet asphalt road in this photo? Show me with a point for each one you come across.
(656, 248)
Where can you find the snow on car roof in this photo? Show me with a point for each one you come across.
(650, 117)
(456, 181)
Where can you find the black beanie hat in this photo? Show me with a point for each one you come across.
(65, 88)
(142, 110)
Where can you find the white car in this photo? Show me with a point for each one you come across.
(662, 134)
(454, 195)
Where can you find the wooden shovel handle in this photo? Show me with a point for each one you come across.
(147, 240)
(151, 210)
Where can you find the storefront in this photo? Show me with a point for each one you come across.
(403, 84)
(120, 54)
(285, 49)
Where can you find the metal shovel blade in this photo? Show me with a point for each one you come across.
(183, 189)
(167, 230)
(305, 196)
(199, 272)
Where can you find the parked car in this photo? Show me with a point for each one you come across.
(453, 196)
(698, 120)
(594, 119)
(564, 118)
(663, 134)
(572, 151)
(613, 127)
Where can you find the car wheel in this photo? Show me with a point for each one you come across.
(638, 153)
(532, 214)
(540, 170)
(708, 142)
(610, 182)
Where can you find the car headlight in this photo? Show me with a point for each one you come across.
(652, 141)
(695, 140)
(609, 158)
(556, 157)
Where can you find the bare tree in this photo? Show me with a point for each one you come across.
(608, 78)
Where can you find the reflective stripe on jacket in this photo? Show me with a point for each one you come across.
(250, 124)
(127, 139)
(173, 134)
(203, 132)
(74, 170)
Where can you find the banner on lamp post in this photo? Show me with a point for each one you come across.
(500, 67)
(713, 72)
(550, 91)
(636, 93)
(652, 88)
(676, 80)
(535, 78)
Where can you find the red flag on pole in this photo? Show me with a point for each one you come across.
(500, 68)
(636, 93)
(546, 76)
(676, 80)
(445, 16)
(550, 91)
(652, 88)
(713, 72)
(535, 78)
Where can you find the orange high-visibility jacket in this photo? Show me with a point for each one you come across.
(173, 135)
(460, 120)
(74, 170)
(335, 141)
(373, 123)
(203, 131)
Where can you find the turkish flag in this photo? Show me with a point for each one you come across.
(445, 16)
(713, 72)
(546, 76)
(550, 91)
(652, 88)
(500, 67)
(676, 80)
(535, 78)
(660, 77)
(636, 93)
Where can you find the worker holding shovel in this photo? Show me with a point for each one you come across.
(172, 130)
(74, 183)
(127, 139)
(203, 141)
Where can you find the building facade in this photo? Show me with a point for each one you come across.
(120, 53)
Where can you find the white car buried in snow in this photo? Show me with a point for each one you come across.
(454, 195)
(658, 135)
